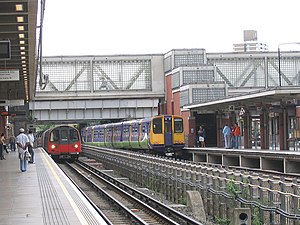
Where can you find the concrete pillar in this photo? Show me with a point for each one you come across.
(195, 202)
(3, 123)
(264, 130)
(220, 137)
(192, 131)
(283, 130)
(247, 130)
(170, 184)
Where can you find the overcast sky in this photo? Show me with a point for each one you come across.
(109, 27)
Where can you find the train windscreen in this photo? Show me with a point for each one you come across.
(74, 135)
(178, 125)
(64, 135)
(157, 126)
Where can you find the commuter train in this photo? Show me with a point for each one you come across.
(61, 142)
(159, 134)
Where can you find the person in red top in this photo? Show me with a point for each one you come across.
(237, 135)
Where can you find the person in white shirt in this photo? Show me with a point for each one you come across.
(22, 141)
(30, 146)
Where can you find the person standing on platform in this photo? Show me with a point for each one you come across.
(12, 143)
(2, 143)
(30, 146)
(22, 141)
(227, 133)
(232, 140)
(237, 135)
(201, 135)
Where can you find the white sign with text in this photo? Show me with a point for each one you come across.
(9, 75)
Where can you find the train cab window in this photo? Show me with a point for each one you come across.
(73, 135)
(157, 126)
(54, 136)
(64, 135)
(178, 125)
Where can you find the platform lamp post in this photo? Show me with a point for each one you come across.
(279, 61)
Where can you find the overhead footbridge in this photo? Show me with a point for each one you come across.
(98, 87)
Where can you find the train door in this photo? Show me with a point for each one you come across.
(168, 131)
(60, 137)
(65, 139)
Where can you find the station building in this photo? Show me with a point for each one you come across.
(258, 90)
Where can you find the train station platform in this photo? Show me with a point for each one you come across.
(280, 161)
(41, 195)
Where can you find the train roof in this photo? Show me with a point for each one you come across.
(128, 122)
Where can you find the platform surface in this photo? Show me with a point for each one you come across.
(41, 195)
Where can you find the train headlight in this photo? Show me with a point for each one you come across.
(76, 146)
(53, 146)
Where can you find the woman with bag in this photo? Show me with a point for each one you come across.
(2, 143)
(22, 143)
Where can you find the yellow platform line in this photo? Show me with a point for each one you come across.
(65, 191)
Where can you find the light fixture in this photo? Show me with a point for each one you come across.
(22, 42)
(22, 53)
(20, 28)
(20, 19)
(23, 65)
(21, 35)
(19, 7)
(22, 48)
(23, 57)
(24, 61)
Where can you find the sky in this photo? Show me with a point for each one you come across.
(117, 27)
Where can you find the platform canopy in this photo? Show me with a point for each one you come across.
(18, 23)
(279, 95)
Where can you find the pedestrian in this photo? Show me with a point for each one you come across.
(237, 135)
(22, 143)
(12, 142)
(227, 133)
(232, 140)
(30, 146)
(202, 134)
(2, 143)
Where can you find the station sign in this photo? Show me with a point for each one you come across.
(9, 75)
(13, 102)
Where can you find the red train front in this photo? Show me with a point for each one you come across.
(62, 142)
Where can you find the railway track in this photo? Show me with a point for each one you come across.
(120, 203)
(275, 194)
